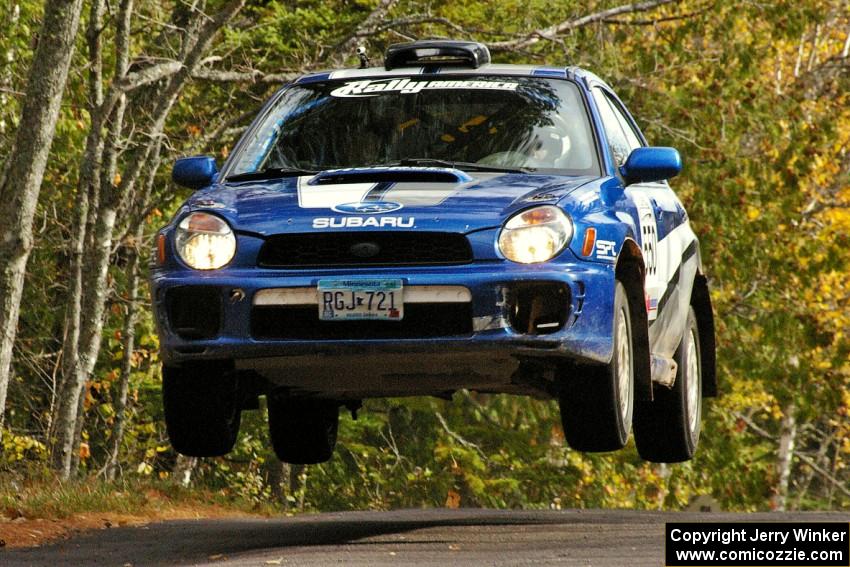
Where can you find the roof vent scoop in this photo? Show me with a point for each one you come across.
(437, 52)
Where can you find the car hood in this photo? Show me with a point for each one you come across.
(463, 203)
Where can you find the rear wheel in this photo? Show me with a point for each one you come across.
(667, 429)
(202, 412)
(597, 406)
(303, 431)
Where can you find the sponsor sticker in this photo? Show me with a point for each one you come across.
(651, 305)
(406, 86)
(606, 249)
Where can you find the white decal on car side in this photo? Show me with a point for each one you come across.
(676, 266)
(679, 249)
(655, 282)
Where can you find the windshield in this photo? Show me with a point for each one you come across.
(500, 122)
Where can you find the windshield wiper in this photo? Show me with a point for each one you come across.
(463, 165)
(271, 173)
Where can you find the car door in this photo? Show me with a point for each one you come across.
(664, 234)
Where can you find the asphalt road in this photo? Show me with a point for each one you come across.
(408, 537)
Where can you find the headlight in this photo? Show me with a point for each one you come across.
(205, 241)
(535, 235)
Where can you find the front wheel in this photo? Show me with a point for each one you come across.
(202, 411)
(667, 429)
(303, 431)
(597, 406)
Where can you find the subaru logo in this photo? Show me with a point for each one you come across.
(363, 208)
(365, 249)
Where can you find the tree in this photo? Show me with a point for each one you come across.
(21, 175)
(754, 95)
(111, 192)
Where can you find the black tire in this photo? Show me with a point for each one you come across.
(667, 429)
(303, 431)
(202, 410)
(595, 411)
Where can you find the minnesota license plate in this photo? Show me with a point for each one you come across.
(351, 300)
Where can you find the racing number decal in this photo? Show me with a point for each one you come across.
(649, 247)
(648, 233)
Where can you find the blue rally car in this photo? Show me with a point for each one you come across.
(435, 224)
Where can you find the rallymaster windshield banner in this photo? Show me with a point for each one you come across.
(407, 86)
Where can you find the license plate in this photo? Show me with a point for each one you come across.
(352, 300)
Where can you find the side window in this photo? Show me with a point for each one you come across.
(631, 136)
(618, 143)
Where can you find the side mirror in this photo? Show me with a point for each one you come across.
(653, 163)
(194, 172)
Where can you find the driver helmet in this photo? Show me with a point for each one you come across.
(549, 145)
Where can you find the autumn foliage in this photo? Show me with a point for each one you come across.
(756, 97)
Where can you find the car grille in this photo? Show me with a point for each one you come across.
(365, 249)
(421, 320)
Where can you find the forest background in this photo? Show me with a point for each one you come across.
(754, 94)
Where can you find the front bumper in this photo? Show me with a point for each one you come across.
(585, 336)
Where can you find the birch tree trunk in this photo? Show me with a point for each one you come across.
(114, 195)
(183, 468)
(129, 340)
(89, 175)
(129, 331)
(14, 14)
(20, 180)
(88, 189)
(787, 442)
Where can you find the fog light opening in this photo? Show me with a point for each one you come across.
(539, 308)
